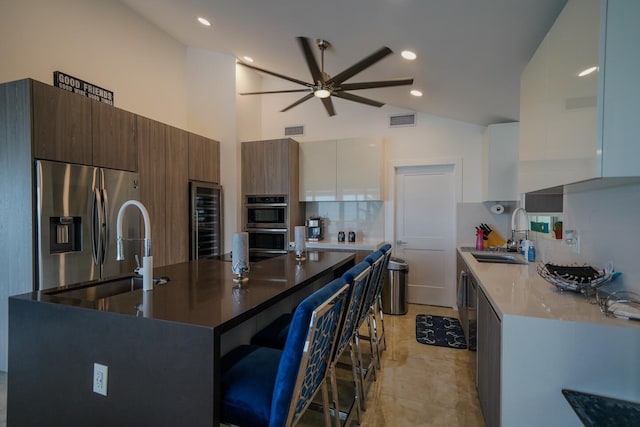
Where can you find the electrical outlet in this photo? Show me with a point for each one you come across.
(100, 378)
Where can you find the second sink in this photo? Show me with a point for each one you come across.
(502, 258)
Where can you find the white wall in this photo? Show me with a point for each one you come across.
(100, 41)
(607, 221)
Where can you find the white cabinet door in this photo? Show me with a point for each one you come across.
(500, 162)
(359, 171)
(341, 170)
(621, 91)
(558, 108)
(318, 171)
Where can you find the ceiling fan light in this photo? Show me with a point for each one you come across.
(322, 93)
(416, 92)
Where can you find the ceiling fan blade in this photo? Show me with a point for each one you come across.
(361, 65)
(356, 98)
(311, 59)
(298, 102)
(276, 91)
(370, 85)
(328, 105)
(291, 79)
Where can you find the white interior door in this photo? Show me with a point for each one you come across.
(425, 231)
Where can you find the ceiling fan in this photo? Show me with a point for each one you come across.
(324, 86)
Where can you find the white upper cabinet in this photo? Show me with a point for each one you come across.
(500, 162)
(318, 171)
(341, 170)
(575, 128)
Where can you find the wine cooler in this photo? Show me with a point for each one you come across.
(206, 220)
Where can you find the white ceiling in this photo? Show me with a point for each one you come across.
(470, 52)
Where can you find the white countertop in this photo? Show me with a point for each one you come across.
(359, 245)
(518, 290)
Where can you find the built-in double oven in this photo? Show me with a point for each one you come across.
(267, 219)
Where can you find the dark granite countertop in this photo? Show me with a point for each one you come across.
(203, 293)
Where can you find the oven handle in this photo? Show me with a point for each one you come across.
(266, 205)
(267, 230)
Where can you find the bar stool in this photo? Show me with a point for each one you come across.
(264, 386)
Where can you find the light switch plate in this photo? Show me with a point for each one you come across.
(100, 378)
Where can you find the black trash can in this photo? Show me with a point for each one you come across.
(394, 292)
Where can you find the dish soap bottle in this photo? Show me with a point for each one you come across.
(479, 240)
(531, 252)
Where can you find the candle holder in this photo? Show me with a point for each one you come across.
(238, 269)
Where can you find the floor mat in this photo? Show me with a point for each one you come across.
(440, 331)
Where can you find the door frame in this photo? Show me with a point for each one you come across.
(390, 213)
(390, 206)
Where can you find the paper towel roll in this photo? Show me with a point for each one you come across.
(497, 209)
(240, 253)
(299, 243)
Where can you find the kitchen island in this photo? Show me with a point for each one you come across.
(162, 348)
(546, 341)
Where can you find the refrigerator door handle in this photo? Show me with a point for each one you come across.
(105, 225)
(96, 222)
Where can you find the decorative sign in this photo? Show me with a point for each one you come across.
(75, 85)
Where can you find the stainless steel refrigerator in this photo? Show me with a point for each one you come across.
(205, 207)
(77, 207)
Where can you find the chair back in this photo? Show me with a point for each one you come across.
(305, 357)
(357, 277)
(375, 260)
(386, 251)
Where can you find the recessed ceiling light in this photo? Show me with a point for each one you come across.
(587, 71)
(247, 58)
(204, 21)
(416, 92)
(407, 54)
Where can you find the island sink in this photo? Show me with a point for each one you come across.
(95, 291)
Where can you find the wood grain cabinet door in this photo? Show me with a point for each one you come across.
(177, 195)
(61, 125)
(114, 137)
(151, 168)
(253, 160)
(204, 159)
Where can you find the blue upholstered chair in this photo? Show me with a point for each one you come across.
(378, 316)
(375, 260)
(274, 334)
(358, 279)
(264, 386)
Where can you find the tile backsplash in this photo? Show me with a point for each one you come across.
(365, 218)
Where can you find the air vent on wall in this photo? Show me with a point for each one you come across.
(401, 120)
(294, 130)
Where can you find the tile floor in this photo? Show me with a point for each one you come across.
(419, 385)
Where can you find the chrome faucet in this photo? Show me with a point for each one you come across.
(147, 259)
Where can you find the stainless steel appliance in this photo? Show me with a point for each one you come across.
(77, 208)
(206, 220)
(268, 240)
(266, 211)
(315, 229)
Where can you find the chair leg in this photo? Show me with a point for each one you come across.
(361, 369)
(356, 384)
(334, 395)
(383, 337)
(373, 344)
(325, 405)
